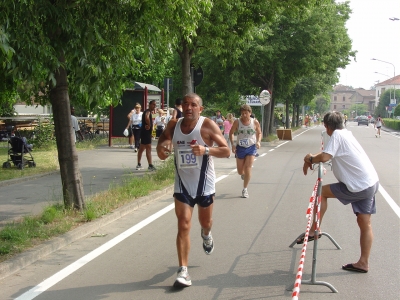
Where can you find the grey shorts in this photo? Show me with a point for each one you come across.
(362, 202)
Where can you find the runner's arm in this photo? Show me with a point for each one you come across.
(231, 133)
(164, 145)
(258, 134)
(212, 134)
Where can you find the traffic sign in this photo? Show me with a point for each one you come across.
(198, 76)
(168, 86)
(265, 97)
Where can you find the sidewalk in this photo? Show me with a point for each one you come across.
(100, 169)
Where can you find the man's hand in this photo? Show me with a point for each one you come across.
(198, 150)
(306, 166)
(307, 163)
(164, 150)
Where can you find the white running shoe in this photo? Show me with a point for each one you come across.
(245, 193)
(183, 278)
(139, 167)
(208, 243)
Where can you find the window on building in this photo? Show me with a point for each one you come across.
(378, 93)
(334, 107)
(344, 98)
(343, 106)
(334, 98)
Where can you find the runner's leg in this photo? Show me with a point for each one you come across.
(184, 213)
(247, 165)
(205, 218)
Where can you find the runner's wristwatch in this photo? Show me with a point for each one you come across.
(207, 150)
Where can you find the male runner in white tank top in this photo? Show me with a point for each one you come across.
(192, 138)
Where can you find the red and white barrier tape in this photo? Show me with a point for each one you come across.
(310, 210)
(297, 283)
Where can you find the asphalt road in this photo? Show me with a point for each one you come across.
(135, 256)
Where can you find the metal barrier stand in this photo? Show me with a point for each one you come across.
(313, 280)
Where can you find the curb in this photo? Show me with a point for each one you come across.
(25, 259)
(27, 178)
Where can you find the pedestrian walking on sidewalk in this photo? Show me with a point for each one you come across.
(248, 141)
(357, 183)
(145, 136)
(192, 138)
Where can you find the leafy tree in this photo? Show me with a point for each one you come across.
(85, 49)
(397, 111)
(384, 100)
(310, 43)
(359, 109)
(223, 28)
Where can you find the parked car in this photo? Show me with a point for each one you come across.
(372, 120)
(362, 120)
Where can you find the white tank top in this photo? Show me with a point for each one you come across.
(246, 134)
(194, 175)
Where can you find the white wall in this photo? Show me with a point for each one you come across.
(22, 109)
(378, 92)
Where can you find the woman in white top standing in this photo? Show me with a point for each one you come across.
(160, 123)
(135, 125)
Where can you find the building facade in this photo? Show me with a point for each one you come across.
(392, 83)
(344, 97)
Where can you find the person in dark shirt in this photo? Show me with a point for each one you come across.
(177, 110)
(145, 136)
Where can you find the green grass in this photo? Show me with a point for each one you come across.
(55, 220)
(46, 159)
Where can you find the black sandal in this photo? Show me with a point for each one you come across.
(310, 238)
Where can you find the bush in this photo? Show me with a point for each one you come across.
(392, 123)
(44, 135)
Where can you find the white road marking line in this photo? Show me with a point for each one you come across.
(282, 144)
(390, 201)
(51, 281)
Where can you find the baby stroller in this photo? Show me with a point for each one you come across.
(19, 154)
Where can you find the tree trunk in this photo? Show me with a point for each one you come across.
(287, 114)
(186, 56)
(71, 178)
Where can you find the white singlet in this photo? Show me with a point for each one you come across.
(194, 175)
(246, 134)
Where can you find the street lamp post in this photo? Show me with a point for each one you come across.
(394, 74)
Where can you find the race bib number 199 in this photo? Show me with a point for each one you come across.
(186, 159)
